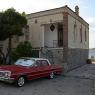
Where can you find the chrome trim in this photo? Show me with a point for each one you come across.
(9, 80)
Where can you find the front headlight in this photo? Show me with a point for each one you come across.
(7, 74)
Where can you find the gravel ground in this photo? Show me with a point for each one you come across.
(71, 84)
(57, 86)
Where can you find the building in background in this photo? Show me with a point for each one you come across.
(92, 53)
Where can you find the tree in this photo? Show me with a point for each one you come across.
(11, 23)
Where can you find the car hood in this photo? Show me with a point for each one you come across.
(13, 68)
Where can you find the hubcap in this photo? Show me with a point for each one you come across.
(21, 81)
(51, 75)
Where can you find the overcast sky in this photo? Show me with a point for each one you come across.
(86, 7)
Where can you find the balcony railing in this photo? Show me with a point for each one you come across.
(57, 43)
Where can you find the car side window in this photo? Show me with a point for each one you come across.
(41, 63)
(38, 63)
(44, 63)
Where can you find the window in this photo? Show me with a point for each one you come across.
(60, 34)
(42, 63)
(75, 27)
(27, 36)
(38, 63)
(85, 35)
(80, 34)
(36, 21)
(26, 31)
(24, 62)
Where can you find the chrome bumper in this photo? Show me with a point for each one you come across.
(9, 80)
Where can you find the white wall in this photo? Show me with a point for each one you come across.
(37, 29)
(76, 43)
(49, 35)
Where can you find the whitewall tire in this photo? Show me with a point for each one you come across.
(20, 82)
(51, 76)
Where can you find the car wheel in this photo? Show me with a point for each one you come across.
(51, 75)
(20, 82)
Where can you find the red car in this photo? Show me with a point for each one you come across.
(28, 69)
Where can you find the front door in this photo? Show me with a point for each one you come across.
(60, 35)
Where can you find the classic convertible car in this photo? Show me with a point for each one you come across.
(28, 69)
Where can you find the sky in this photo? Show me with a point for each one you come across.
(86, 10)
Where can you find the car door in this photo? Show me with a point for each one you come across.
(32, 71)
(40, 69)
(43, 68)
(36, 71)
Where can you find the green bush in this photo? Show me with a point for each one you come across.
(24, 49)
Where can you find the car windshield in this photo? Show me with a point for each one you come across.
(25, 62)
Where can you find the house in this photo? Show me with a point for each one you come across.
(60, 35)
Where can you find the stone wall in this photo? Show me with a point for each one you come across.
(76, 58)
(55, 56)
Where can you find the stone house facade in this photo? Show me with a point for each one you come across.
(60, 35)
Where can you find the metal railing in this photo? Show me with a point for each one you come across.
(57, 43)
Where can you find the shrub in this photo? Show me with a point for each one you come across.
(24, 49)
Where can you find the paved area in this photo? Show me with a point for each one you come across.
(87, 71)
(57, 86)
(72, 84)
